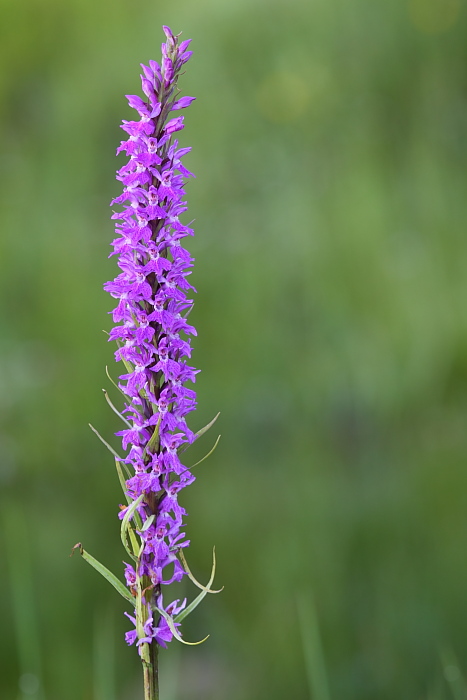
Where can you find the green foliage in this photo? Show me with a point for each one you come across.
(108, 575)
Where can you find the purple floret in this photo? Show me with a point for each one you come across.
(152, 331)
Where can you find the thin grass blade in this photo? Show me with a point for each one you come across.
(312, 649)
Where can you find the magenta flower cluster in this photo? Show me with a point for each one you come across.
(152, 330)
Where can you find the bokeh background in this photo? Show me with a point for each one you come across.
(330, 147)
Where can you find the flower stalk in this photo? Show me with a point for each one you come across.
(151, 673)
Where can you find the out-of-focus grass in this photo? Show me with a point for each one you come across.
(170, 672)
(329, 143)
(453, 675)
(104, 655)
(312, 648)
(25, 636)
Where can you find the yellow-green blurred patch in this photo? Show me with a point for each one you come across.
(434, 16)
(284, 97)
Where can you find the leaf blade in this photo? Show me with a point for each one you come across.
(115, 383)
(126, 524)
(115, 410)
(194, 603)
(192, 578)
(207, 455)
(173, 629)
(201, 432)
(108, 575)
(111, 449)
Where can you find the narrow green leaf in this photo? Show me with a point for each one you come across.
(119, 463)
(187, 313)
(115, 410)
(129, 367)
(201, 432)
(111, 578)
(120, 466)
(126, 524)
(153, 443)
(148, 522)
(206, 427)
(208, 454)
(114, 383)
(134, 541)
(173, 629)
(121, 478)
(152, 387)
(192, 578)
(111, 449)
(194, 603)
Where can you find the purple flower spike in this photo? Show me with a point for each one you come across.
(154, 343)
(153, 335)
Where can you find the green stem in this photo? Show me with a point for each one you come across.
(151, 673)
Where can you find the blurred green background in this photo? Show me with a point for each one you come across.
(329, 143)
